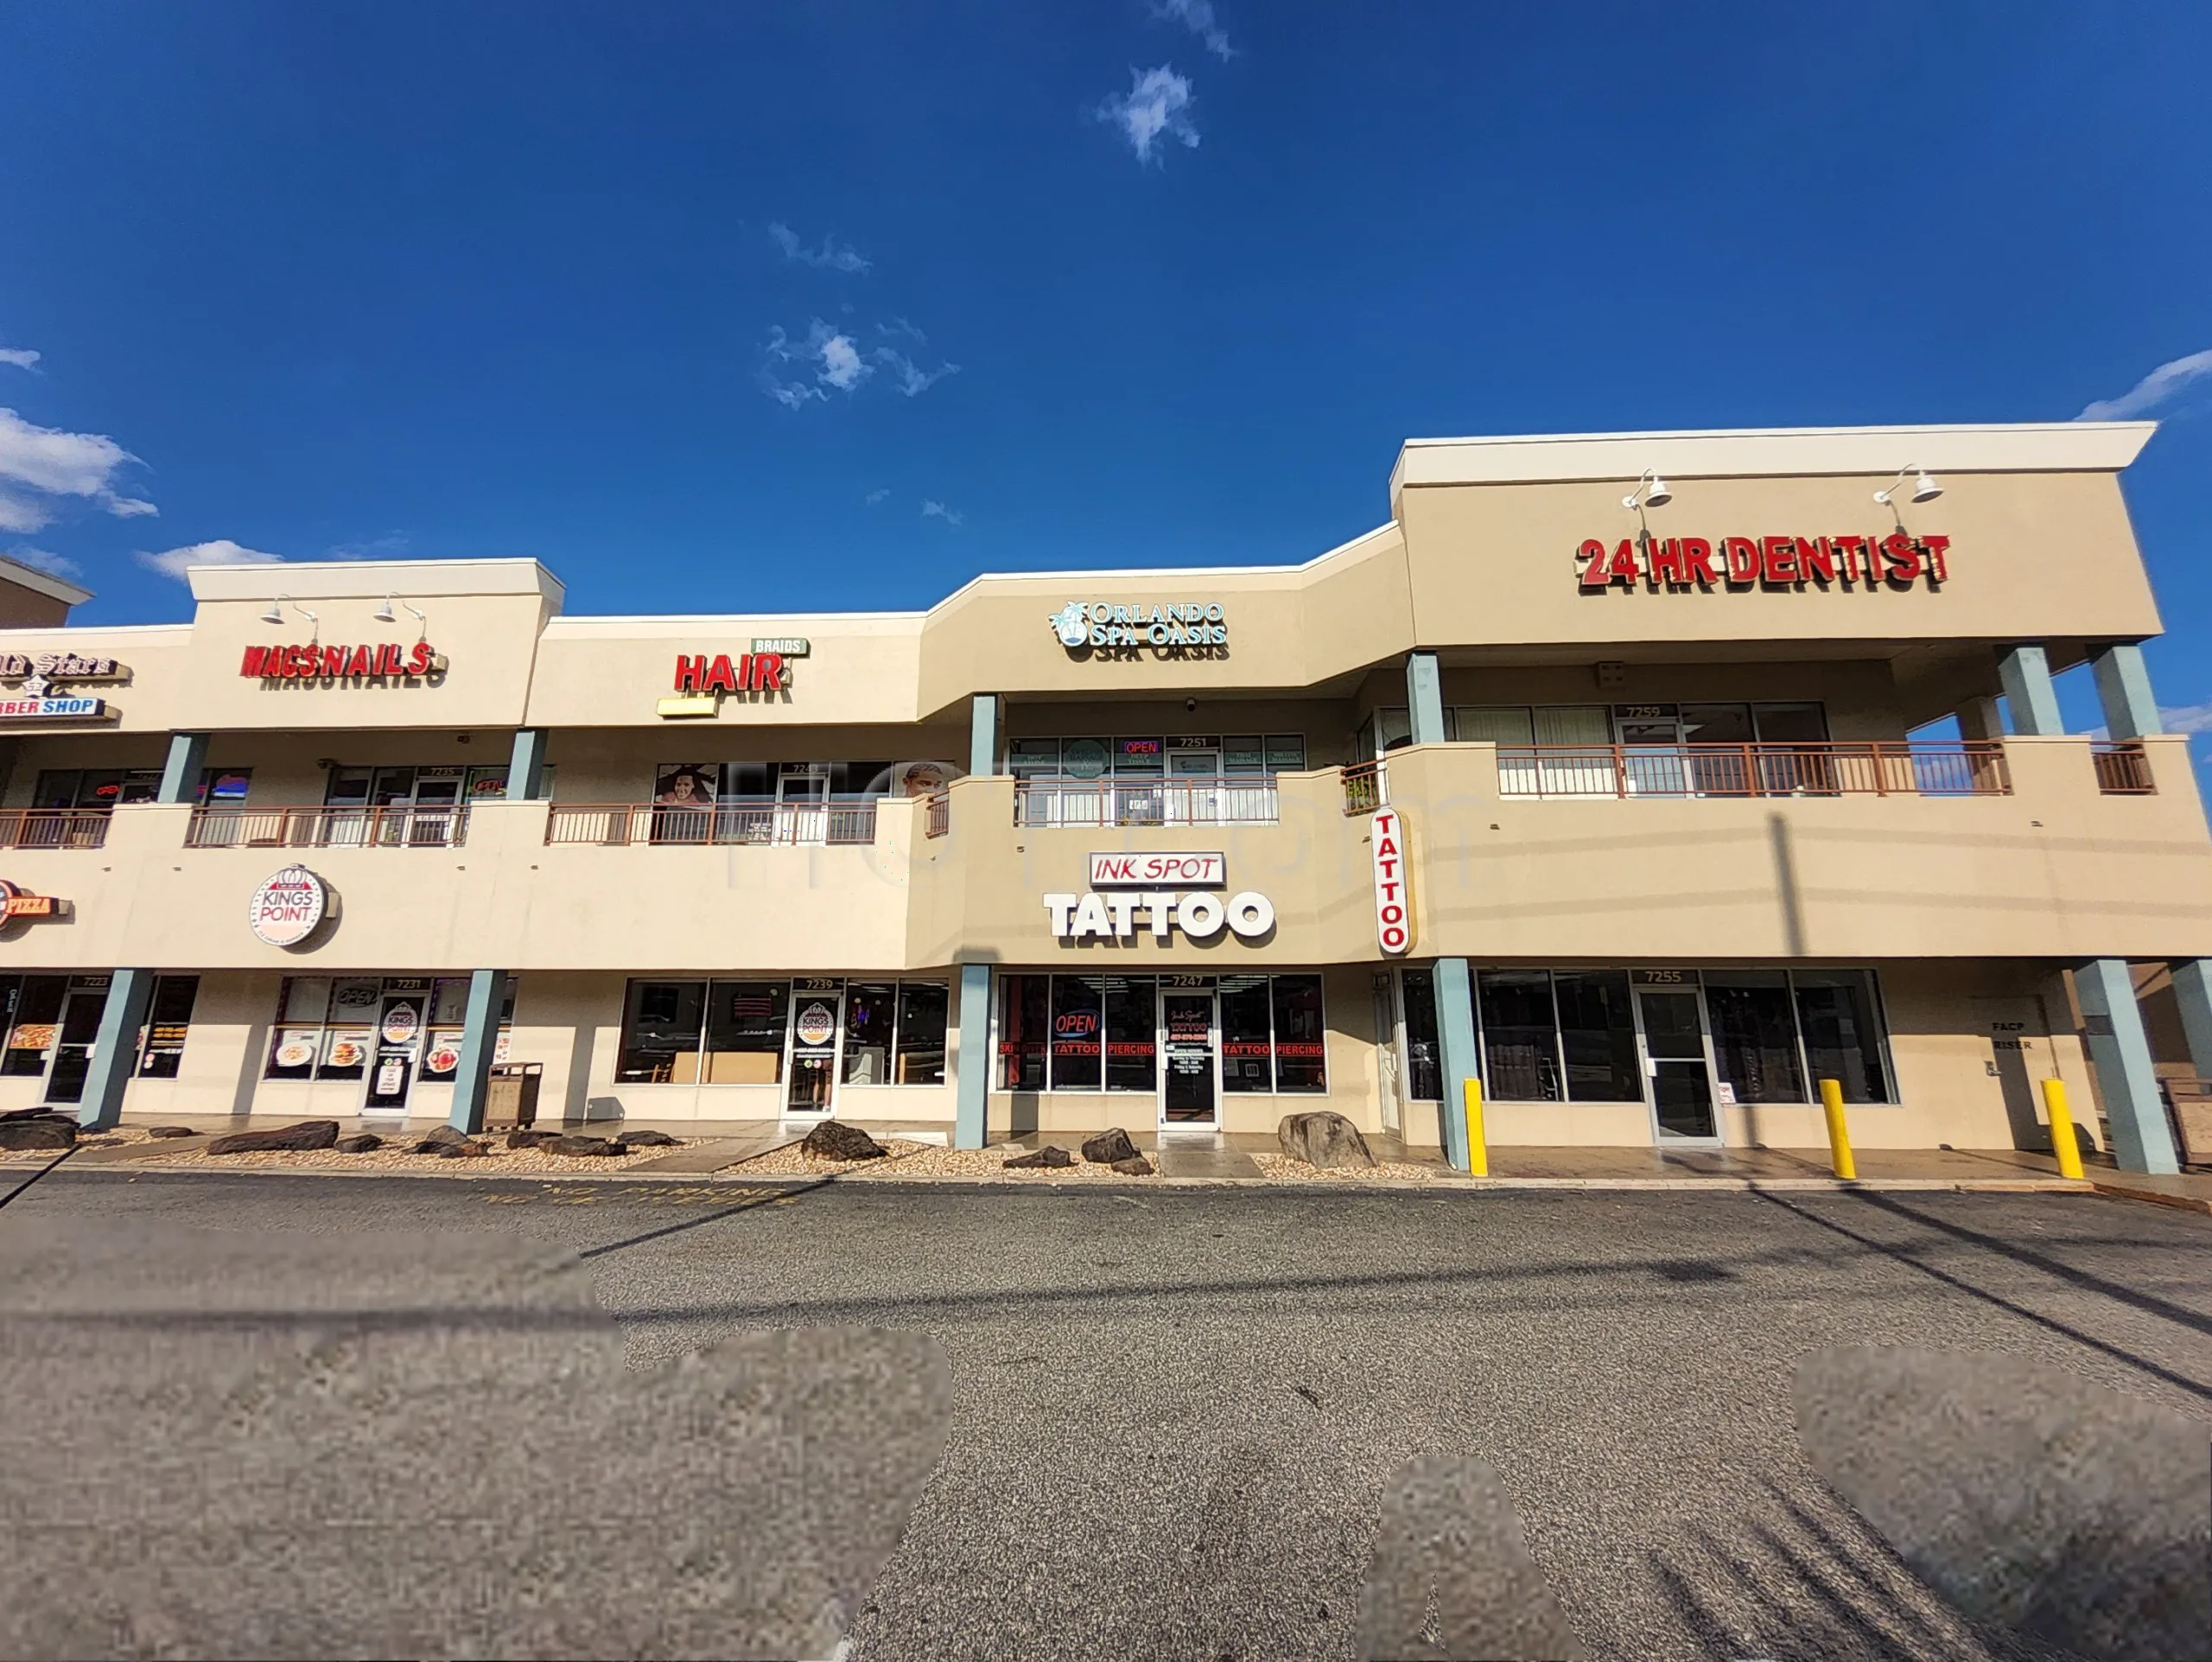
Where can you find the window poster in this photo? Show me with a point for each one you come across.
(684, 784)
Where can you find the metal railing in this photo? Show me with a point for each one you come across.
(53, 827)
(1367, 787)
(405, 827)
(2123, 768)
(1091, 802)
(756, 821)
(1974, 769)
(936, 815)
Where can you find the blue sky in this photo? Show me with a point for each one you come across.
(835, 304)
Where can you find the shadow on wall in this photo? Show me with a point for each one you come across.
(576, 1104)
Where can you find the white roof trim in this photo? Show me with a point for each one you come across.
(1750, 453)
(1108, 574)
(43, 582)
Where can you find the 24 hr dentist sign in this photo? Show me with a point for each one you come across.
(1136, 886)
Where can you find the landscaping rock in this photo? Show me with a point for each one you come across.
(581, 1146)
(519, 1138)
(834, 1140)
(439, 1136)
(171, 1130)
(306, 1134)
(361, 1144)
(1047, 1156)
(646, 1139)
(1322, 1140)
(1135, 1166)
(42, 1111)
(52, 1132)
(1109, 1146)
(466, 1149)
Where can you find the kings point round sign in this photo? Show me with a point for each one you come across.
(287, 907)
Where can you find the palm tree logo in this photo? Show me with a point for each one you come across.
(1071, 623)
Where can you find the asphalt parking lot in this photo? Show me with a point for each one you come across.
(1177, 1409)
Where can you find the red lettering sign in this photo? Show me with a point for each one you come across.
(1898, 561)
(316, 662)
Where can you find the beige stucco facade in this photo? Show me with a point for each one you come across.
(1948, 889)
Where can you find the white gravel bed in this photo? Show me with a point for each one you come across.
(499, 1162)
(114, 1139)
(1281, 1169)
(910, 1160)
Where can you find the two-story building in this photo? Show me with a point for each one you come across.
(1649, 778)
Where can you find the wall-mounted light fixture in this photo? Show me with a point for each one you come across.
(1650, 492)
(386, 614)
(1925, 489)
(275, 615)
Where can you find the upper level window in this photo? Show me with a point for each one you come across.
(1638, 725)
(1143, 756)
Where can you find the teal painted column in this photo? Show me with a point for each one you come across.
(1455, 1032)
(2193, 992)
(2141, 1138)
(526, 765)
(479, 1042)
(115, 1049)
(2124, 690)
(188, 759)
(983, 735)
(971, 1112)
(2026, 673)
(1424, 698)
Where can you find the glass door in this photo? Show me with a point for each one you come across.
(818, 1021)
(1190, 1087)
(802, 802)
(1194, 785)
(1678, 1064)
(437, 806)
(73, 1046)
(398, 1045)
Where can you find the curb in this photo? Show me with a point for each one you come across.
(2123, 1191)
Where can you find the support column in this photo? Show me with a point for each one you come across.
(983, 735)
(2141, 1139)
(1455, 1032)
(188, 759)
(1980, 721)
(2124, 690)
(2025, 669)
(2193, 993)
(526, 765)
(1424, 698)
(115, 1049)
(479, 1042)
(971, 1114)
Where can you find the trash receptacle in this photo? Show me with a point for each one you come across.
(512, 1099)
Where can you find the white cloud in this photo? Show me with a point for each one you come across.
(842, 366)
(1159, 102)
(912, 378)
(2163, 383)
(47, 461)
(2186, 718)
(829, 352)
(173, 562)
(938, 511)
(876, 495)
(60, 565)
(831, 255)
(21, 357)
(1197, 16)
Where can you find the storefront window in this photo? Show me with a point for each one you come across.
(1025, 1022)
(1424, 1071)
(1754, 1035)
(1597, 1033)
(1078, 1015)
(1302, 1037)
(871, 1025)
(660, 1032)
(1132, 1025)
(326, 1028)
(169, 1018)
(1519, 1036)
(1839, 1015)
(37, 1000)
(1247, 1047)
(923, 1006)
(745, 1033)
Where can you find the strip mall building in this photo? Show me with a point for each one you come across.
(1613, 803)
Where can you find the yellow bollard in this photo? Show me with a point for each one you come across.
(2063, 1143)
(1478, 1150)
(1838, 1133)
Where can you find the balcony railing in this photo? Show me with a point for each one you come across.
(746, 820)
(1833, 769)
(327, 828)
(1367, 787)
(53, 827)
(936, 815)
(1086, 802)
(2122, 769)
